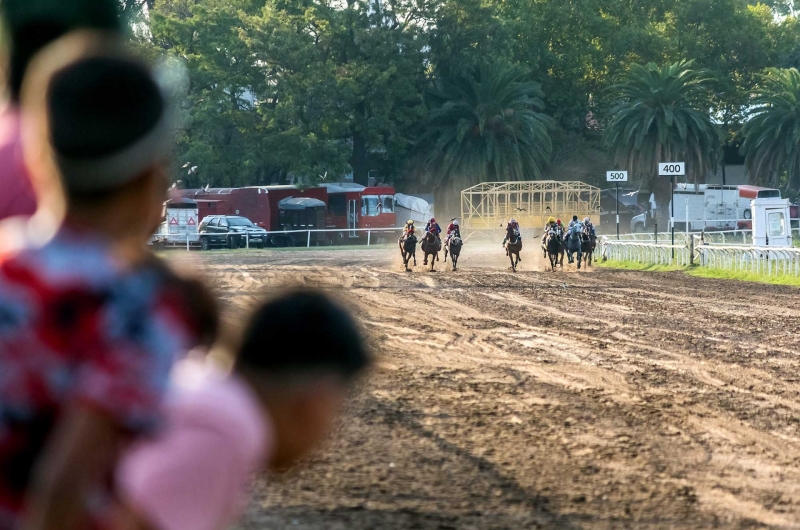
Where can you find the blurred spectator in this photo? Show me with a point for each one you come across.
(90, 322)
(294, 368)
(28, 26)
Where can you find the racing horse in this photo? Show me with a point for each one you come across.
(513, 247)
(573, 245)
(408, 249)
(430, 245)
(454, 248)
(561, 251)
(554, 247)
(588, 244)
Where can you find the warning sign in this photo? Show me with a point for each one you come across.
(173, 221)
(191, 222)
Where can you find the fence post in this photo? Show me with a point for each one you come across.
(691, 250)
(247, 240)
(187, 240)
(369, 236)
(308, 242)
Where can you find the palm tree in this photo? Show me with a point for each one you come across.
(772, 133)
(662, 115)
(484, 125)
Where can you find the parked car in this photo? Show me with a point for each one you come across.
(231, 231)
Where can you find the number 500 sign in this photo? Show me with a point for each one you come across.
(671, 169)
(616, 176)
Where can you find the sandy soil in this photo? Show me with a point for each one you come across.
(578, 399)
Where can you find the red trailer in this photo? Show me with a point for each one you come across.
(352, 206)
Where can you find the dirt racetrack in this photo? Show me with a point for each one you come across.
(601, 399)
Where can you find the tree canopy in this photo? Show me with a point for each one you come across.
(284, 89)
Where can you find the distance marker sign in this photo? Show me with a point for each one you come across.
(671, 169)
(616, 176)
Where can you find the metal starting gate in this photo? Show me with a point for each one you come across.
(487, 206)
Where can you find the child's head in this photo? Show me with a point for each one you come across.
(97, 119)
(301, 351)
(30, 25)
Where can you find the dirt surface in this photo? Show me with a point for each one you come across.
(578, 399)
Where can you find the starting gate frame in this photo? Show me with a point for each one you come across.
(486, 206)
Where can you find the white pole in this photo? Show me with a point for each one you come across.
(187, 241)
(687, 220)
(369, 235)
(247, 240)
(308, 243)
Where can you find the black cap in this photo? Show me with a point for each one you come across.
(107, 121)
(33, 24)
(302, 331)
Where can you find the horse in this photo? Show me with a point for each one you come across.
(588, 244)
(554, 247)
(513, 247)
(430, 245)
(573, 245)
(408, 249)
(453, 246)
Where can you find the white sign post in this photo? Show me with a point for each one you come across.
(672, 170)
(616, 177)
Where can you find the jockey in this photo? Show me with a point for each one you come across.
(408, 229)
(587, 223)
(515, 227)
(575, 226)
(434, 227)
(550, 225)
(452, 230)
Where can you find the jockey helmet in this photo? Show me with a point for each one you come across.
(558, 222)
(455, 223)
(574, 217)
(551, 220)
(587, 220)
(433, 220)
(513, 221)
(410, 222)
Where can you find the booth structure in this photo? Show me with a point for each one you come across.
(487, 206)
(771, 227)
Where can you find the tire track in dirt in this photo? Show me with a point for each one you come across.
(625, 400)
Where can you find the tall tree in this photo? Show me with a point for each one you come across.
(662, 115)
(772, 132)
(484, 125)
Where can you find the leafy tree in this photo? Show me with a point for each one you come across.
(772, 132)
(662, 115)
(485, 125)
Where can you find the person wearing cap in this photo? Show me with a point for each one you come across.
(29, 25)
(222, 428)
(90, 321)
(452, 230)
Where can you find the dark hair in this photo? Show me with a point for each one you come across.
(33, 24)
(299, 331)
(99, 107)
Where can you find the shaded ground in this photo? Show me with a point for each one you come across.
(605, 399)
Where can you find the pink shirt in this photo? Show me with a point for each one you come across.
(16, 192)
(194, 475)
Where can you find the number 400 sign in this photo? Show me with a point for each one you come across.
(671, 169)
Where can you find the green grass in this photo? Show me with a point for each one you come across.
(633, 266)
(704, 272)
(780, 279)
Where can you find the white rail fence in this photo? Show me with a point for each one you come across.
(645, 253)
(767, 261)
(193, 239)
